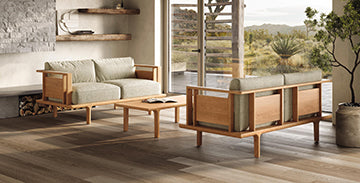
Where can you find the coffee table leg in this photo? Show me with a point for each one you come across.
(177, 114)
(156, 124)
(126, 119)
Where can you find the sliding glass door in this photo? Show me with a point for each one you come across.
(218, 40)
(183, 44)
(201, 43)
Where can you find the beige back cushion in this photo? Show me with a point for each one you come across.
(114, 68)
(241, 102)
(296, 78)
(81, 70)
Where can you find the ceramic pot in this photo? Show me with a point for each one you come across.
(348, 126)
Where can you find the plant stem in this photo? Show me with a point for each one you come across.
(352, 88)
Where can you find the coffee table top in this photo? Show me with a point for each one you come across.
(181, 101)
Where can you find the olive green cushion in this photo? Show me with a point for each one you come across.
(296, 78)
(114, 68)
(134, 87)
(94, 92)
(81, 70)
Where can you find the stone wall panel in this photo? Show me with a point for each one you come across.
(24, 21)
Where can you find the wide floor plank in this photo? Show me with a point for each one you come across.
(65, 149)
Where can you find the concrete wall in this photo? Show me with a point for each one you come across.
(341, 79)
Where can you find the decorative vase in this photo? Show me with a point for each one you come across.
(348, 126)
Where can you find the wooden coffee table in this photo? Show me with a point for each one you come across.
(155, 107)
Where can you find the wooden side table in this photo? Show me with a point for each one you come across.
(154, 107)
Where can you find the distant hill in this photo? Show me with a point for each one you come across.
(274, 28)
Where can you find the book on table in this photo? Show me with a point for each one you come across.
(159, 100)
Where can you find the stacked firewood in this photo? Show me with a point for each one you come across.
(29, 107)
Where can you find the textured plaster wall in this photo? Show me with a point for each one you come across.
(27, 26)
(341, 91)
(19, 69)
(147, 31)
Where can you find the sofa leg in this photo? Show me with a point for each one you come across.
(115, 106)
(149, 112)
(88, 115)
(257, 145)
(55, 114)
(199, 138)
(316, 131)
(126, 119)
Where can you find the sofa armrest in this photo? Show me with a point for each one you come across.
(53, 72)
(57, 85)
(153, 74)
(210, 109)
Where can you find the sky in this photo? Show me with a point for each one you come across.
(290, 12)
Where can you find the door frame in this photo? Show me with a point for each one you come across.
(237, 45)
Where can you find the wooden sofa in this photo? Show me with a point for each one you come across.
(94, 79)
(255, 106)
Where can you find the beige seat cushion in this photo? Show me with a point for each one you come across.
(94, 92)
(114, 68)
(136, 87)
(81, 70)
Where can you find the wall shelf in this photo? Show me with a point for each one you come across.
(94, 37)
(110, 11)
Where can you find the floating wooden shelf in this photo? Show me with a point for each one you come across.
(111, 11)
(94, 37)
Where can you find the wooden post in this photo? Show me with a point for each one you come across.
(156, 124)
(54, 111)
(43, 87)
(320, 101)
(281, 92)
(199, 138)
(196, 93)
(177, 114)
(257, 145)
(126, 119)
(316, 131)
(68, 88)
(238, 39)
(295, 103)
(252, 112)
(189, 105)
(88, 115)
(231, 112)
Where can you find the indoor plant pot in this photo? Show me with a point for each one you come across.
(346, 28)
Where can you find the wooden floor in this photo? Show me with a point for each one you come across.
(43, 149)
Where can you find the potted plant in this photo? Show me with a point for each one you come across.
(346, 27)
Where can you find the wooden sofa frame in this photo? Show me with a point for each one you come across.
(220, 111)
(61, 88)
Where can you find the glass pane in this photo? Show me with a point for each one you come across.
(218, 18)
(184, 36)
(278, 41)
